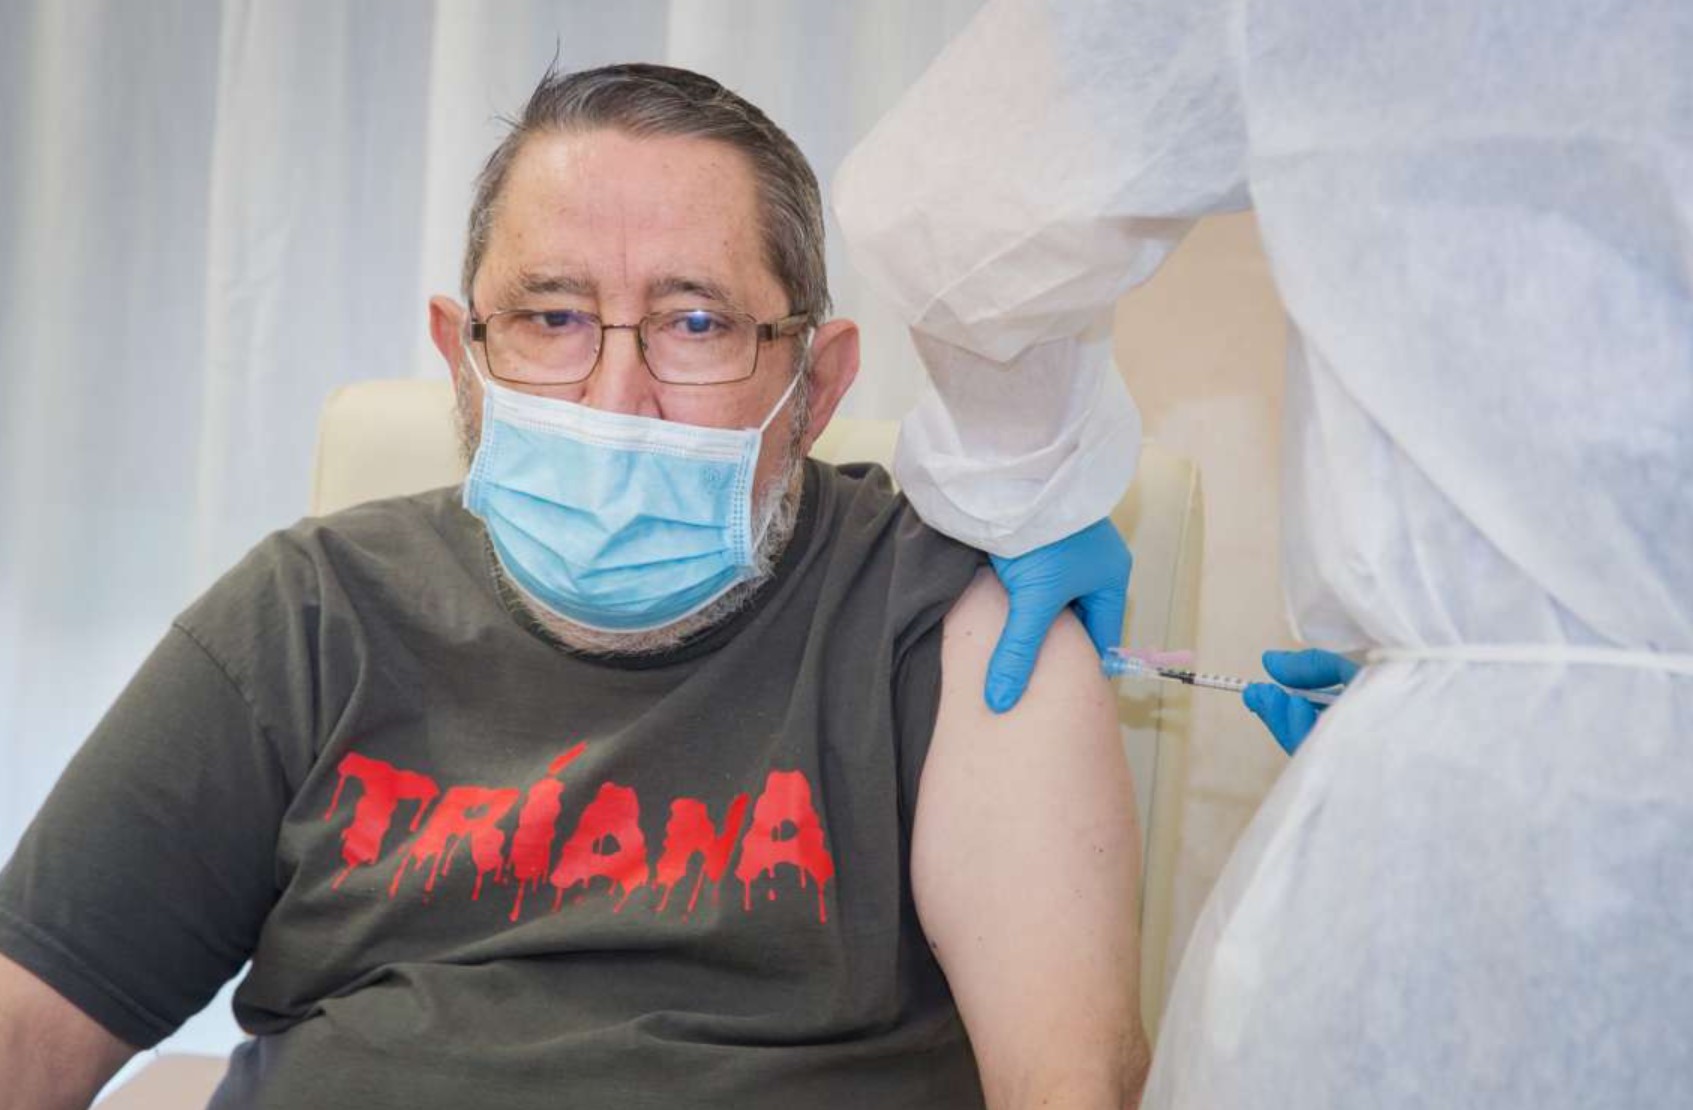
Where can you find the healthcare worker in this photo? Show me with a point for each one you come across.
(1474, 887)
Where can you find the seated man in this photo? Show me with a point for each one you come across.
(654, 772)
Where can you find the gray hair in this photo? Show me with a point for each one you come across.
(645, 100)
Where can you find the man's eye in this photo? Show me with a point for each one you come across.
(699, 324)
(560, 319)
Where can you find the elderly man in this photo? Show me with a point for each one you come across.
(651, 769)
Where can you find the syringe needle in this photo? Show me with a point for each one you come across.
(1119, 664)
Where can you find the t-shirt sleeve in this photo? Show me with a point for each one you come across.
(143, 882)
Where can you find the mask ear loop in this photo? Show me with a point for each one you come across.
(492, 390)
(470, 357)
(479, 462)
(781, 402)
(757, 538)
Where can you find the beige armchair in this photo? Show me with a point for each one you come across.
(384, 438)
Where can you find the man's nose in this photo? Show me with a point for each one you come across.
(620, 382)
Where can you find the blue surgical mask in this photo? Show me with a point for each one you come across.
(615, 522)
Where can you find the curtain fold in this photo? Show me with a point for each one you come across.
(214, 213)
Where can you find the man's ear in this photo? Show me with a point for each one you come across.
(834, 365)
(446, 328)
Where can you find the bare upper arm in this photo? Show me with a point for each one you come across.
(1026, 866)
(51, 1053)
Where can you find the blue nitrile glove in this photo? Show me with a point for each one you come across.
(1089, 569)
(1290, 718)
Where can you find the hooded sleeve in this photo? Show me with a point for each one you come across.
(1048, 161)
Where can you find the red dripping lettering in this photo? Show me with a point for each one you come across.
(385, 786)
(608, 842)
(612, 818)
(466, 813)
(532, 844)
(690, 833)
(786, 829)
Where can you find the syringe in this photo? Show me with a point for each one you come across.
(1119, 664)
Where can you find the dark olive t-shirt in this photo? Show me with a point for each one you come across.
(471, 868)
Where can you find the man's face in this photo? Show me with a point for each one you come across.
(622, 227)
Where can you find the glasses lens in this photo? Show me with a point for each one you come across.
(697, 346)
(543, 347)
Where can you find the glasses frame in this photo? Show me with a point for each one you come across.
(766, 331)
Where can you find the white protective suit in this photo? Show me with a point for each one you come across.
(1474, 886)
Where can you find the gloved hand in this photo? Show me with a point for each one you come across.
(1290, 718)
(1089, 569)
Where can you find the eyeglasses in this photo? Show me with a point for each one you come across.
(686, 346)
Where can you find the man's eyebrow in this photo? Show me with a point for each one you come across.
(534, 283)
(691, 286)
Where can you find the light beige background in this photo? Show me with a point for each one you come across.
(1202, 347)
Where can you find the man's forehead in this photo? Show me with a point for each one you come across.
(581, 213)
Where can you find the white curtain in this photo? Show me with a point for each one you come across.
(214, 213)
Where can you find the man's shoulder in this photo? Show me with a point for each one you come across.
(869, 516)
(394, 546)
(863, 496)
(392, 532)
(387, 521)
(882, 553)
(864, 484)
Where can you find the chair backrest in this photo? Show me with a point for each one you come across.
(386, 438)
